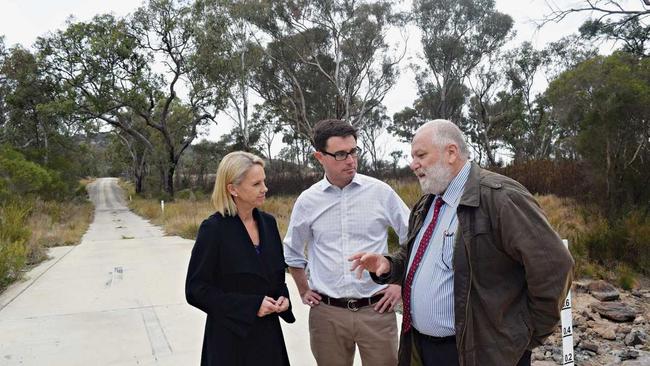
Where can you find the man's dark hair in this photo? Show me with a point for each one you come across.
(327, 128)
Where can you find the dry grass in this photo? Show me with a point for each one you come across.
(56, 223)
(565, 215)
(127, 187)
(280, 207)
(408, 190)
(183, 217)
(28, 228)
(86, 181)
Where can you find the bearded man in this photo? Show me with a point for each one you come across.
(483, 274)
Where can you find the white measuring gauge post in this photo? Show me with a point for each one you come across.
(567, 327)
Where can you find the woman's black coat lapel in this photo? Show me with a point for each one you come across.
(242, 258)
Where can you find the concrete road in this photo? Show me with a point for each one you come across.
(115, 299)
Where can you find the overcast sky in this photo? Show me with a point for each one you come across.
(22, 21)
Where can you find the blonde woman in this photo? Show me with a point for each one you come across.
(236, 271)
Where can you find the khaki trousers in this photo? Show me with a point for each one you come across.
(334, 331)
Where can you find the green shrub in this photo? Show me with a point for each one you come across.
(564, 178)
(636, 228)
(190, 230)
(13, 237)
(588, 269)
(623, 241)
(81, 192)
(626, 277)
(21, 177)
(186, 194)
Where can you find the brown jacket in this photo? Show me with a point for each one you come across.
(511, 272)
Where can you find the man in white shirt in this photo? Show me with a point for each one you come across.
(340, 215)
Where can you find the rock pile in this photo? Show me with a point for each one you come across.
(610, 327)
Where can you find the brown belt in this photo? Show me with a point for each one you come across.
(351, 304)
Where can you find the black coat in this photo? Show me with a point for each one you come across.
(228, 280)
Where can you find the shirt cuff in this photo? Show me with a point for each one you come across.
(296, 263)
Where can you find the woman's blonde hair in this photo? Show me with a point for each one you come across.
(232, 169)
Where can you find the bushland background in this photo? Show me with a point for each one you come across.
(125, 96)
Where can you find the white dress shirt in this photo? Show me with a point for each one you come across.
(333, 223)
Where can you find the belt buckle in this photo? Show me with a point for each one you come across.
(352, 305)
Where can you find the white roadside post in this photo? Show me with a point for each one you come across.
(162, 206)
(567, 327)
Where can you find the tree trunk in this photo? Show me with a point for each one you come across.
(138, 183)
(169, 181)
(138, 174)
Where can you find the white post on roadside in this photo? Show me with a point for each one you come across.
(567, 327)
(162, 206)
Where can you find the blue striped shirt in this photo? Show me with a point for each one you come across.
(432, 294)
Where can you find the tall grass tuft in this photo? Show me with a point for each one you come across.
(29, 227)
(183, 217)
(626, 278)
(55, 224)
(408, 189)
(13, 238)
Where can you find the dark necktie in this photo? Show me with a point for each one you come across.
(408, 283)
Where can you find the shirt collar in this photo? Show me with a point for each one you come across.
(324, 184)
(455, 189)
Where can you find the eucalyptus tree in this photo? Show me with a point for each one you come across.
(612, 10)
(325, 58)
(492, 108)
(221, 26)
(101, 76)
(144, 66)
(165, 31)
(406, 122)
(291, 89)
(369, 134)
(610, 97)
(3, 87)
(508, 111)
(30, 124)
(533, 132)
(396, 156)
(456, 36)
(626, 22)
(138, 151)
(269, 128)
(631, 33)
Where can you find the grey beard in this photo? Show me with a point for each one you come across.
(436, 180)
